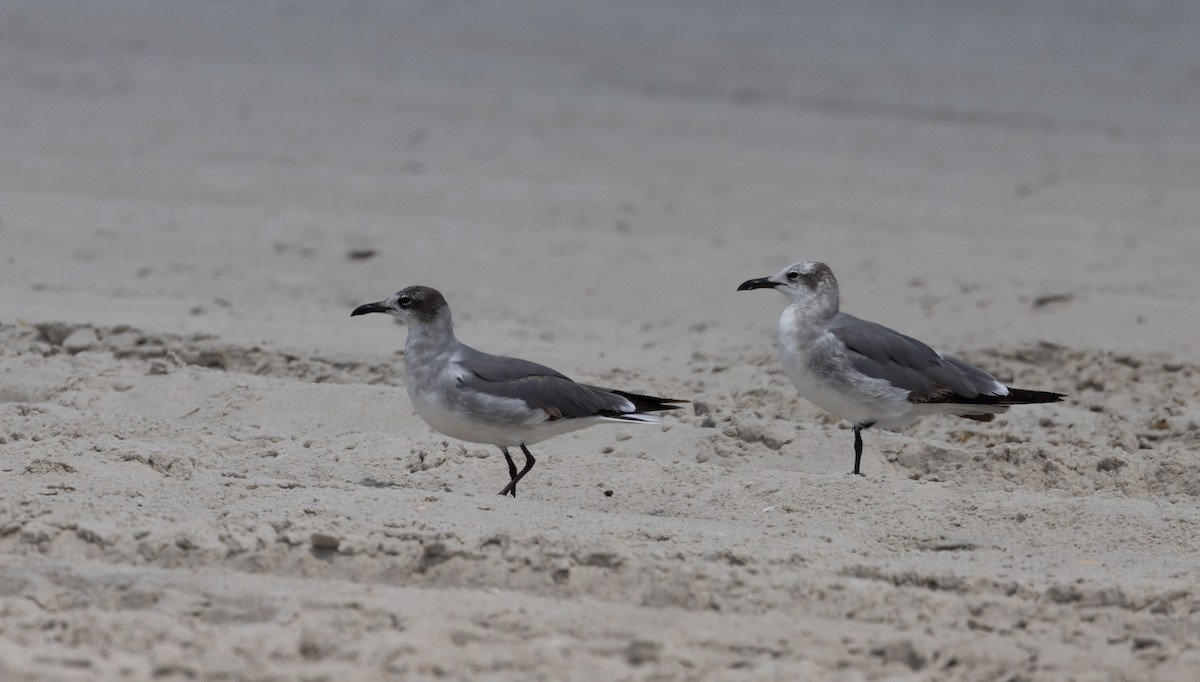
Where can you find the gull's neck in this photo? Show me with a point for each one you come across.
(822, 306)
(429, 340)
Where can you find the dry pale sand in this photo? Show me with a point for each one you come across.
(209, 471)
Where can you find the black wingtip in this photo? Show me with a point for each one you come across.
(650, 403)
(1020, 396)
(1015, 396)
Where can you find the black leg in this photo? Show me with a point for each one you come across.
(512, 472)
(858, 449)
(511, 488)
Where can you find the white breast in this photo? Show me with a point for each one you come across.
(856, 397)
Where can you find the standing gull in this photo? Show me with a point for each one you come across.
(869, 374)
(481, 398)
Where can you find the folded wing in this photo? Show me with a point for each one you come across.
(546, 389)
(905, 362)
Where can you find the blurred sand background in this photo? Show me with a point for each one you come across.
(209, 471)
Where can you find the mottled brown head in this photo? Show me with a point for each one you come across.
(802, 283)
(808, 275)
(418, 304)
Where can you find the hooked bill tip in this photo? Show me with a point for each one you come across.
(369, 308)
(759, 283)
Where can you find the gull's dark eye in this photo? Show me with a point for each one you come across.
(793, 275)
(404, 301)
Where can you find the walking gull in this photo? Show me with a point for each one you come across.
(869, 374)
(481, 398)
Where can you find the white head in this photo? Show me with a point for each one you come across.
(805, 284)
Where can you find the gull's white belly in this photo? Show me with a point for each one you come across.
(856, 397)
(812, 388)
(524, 426)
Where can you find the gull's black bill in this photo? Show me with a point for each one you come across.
(760, 283)
(369, 308)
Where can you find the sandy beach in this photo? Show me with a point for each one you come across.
(209, 471)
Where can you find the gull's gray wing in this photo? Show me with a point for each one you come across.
(539, 387)
(498, 368)
(905, 362)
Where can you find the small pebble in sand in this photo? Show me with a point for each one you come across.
(80, 340)
(322, 540)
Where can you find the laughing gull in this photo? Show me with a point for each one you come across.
(481, 398)
(869, 374)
